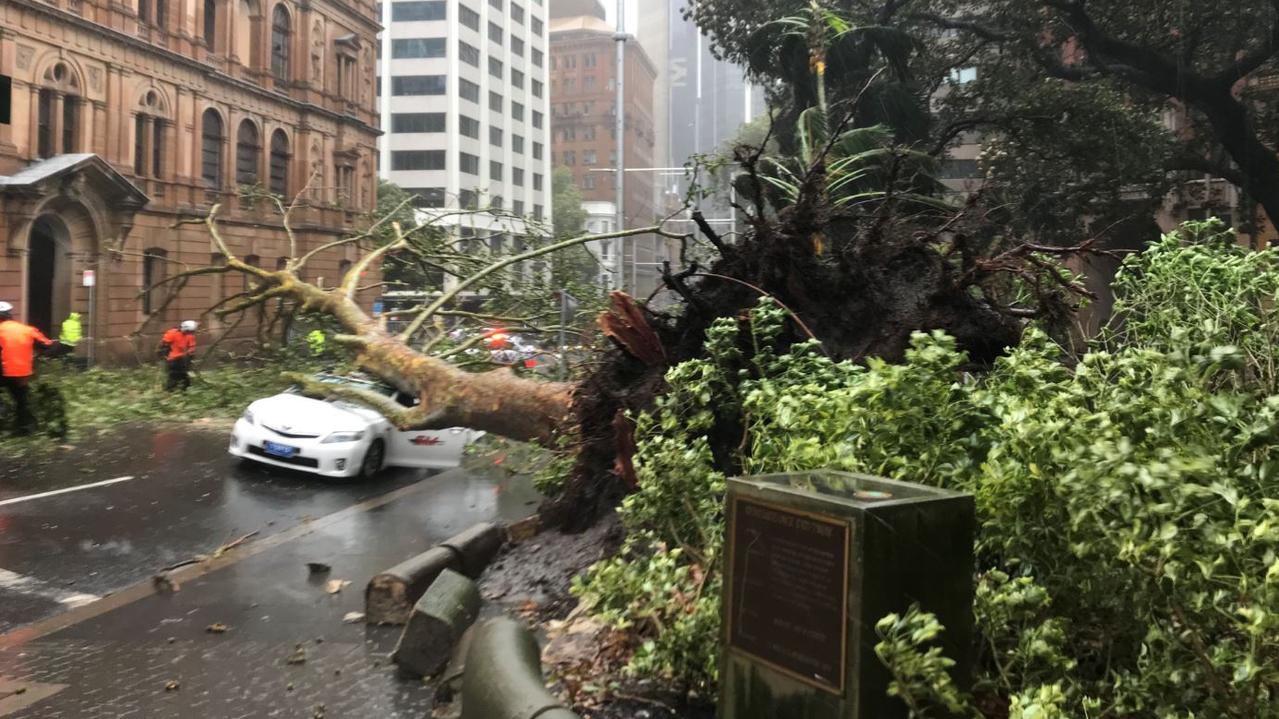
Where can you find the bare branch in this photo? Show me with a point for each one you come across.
(255, 299)
(1251, 61)
(461, 348)
(709, 232)
(450, 295)
(966, 24)
(1197, 163)
(401, 417)
(765, 293)
(350, 283)
(211, 221)
(212, 270)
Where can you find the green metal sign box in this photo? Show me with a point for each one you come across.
(813, 560)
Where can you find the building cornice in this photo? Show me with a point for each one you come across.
(346, 9)
(562, 39)
(192, 64)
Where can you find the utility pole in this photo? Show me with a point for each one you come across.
(619, 185)
(384, 102)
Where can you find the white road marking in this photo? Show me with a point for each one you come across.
(29, 585)
(42, 495)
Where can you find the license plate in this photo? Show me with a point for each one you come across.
(279, 450)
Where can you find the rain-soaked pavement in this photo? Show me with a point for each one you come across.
(139, 653)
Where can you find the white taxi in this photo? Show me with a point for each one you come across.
(336, 438)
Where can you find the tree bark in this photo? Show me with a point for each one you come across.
(496, 401)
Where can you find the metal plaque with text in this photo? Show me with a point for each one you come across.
(788, 603)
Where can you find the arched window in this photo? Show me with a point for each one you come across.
(58, 99)
(280, 34)
(70, 123)
(140, 124)
(279, 163)
(148, 137)
(248, 148)
(211, 135)
(44, 128)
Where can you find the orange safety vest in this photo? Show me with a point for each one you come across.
(180, 343)
(17, 348)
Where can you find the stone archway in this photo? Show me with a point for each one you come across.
(48, 273)
(58, 218)
(62, 243)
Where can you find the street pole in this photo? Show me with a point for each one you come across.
(619, 185)
(93, 321)
(566, 314)
(384, 109)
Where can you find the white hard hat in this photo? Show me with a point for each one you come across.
(5, 307)
(188, 326)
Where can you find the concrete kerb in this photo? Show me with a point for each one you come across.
(438, 621)
(390, 596)
(477, 546)
(503, 676)
(524, 530)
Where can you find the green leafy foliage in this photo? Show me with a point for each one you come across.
(103, 399)
(921, 678)
(1128, 504)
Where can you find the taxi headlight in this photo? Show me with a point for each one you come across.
(337, 437)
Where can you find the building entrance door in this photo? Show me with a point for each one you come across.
(48, 291)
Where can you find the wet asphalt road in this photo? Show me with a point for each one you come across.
(142, 653)
(187, 499)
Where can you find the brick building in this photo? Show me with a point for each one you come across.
(128, 117)
(583, 99)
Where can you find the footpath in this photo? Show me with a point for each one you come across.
(255, 632)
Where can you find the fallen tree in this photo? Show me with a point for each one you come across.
(495, 401)
(850, 238)
(859, 279)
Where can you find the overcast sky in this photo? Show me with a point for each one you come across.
(632, 7)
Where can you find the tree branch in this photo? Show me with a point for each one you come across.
(1197, 163)
(450, 295)
(256, 299)
(967, 24)
(1153, 70)
(1251, 61)
(400, 416)
(350, 283)
(709, 232)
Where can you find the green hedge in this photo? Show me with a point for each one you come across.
(1128, 499)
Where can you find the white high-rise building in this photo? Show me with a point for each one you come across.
(465, 111)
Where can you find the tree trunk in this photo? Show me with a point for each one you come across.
(1257, 163)
(496, 401)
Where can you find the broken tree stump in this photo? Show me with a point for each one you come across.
(438, 621)
(390, 596)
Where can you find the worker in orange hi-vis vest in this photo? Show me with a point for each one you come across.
(17, 358)
(178, 348)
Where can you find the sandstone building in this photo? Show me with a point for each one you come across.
(129, 116)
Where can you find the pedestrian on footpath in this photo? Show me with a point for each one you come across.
(17, 358)
(178, 349)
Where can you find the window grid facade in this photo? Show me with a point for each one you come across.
(446, 141)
